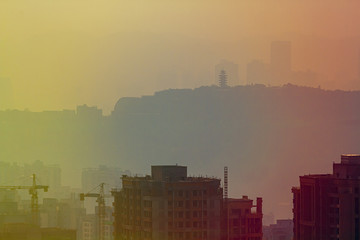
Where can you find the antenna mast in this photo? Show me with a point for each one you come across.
(226, 172)
(226, 183)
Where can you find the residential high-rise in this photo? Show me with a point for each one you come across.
(326, 206)
(244, 222)
(168, 205)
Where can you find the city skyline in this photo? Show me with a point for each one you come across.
(251, 95)
(96, 55)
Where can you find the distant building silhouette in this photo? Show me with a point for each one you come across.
(282, 230)
(268, 219)
(223, 79)
(327, 206)
(88, 113)
(92, 177)
(280, 62)
(279, 71)
(232, 70)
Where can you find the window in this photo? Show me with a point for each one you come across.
(147, 203)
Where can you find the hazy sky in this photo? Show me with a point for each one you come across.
(61, 53)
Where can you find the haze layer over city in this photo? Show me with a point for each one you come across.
(60, 54)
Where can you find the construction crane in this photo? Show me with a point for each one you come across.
(34, 197)
(101, 207)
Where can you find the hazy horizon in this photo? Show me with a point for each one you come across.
(59, 54)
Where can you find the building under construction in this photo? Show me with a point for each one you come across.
(169, 205)
(244, 221)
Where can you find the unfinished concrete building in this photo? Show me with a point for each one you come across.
(168, 205)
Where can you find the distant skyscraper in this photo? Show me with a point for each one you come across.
(280, 62)
(48, 174)
(232, 70)
(327, 206)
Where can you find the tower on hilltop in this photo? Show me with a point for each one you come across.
(223, 79)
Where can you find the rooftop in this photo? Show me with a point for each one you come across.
(350, 158)
(187, 179)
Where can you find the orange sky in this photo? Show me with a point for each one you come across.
(58, 54)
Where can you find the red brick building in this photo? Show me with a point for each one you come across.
(245, 219)
(326, 206)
